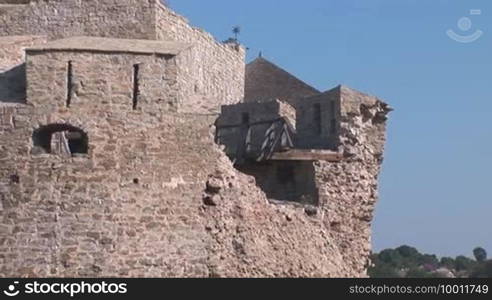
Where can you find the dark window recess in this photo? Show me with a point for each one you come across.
(317, 118)
(136, 181)
(286, 174)
(333, 126)
(332, 107)
(285, 180)
(245, 118)
(69, 83)
(136, 85)
(61, 139)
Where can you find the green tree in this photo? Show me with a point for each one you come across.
(427, 259)
(448, 262)
(483, 270)
(480, 254)
(407, 251)
(391, 257)
(464, 263)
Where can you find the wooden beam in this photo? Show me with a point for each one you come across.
(299, 154)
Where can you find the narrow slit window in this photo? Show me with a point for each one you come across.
(69, 83)
(317, 118)
(136, 85)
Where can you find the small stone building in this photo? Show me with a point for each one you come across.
(113, 74)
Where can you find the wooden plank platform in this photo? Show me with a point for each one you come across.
(300, 154)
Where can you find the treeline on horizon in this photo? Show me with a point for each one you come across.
(408, 262)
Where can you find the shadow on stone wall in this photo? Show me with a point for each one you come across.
(15, 1)
(13, 85)
(292, 181)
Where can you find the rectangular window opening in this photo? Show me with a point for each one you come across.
(286, 175)
(136, 87)
(69, 83)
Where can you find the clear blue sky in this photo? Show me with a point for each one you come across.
(436, 184)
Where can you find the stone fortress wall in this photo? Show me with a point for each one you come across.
(136, 206)
(221, 70)
(217, 69)
(147, 191)
(134, 19)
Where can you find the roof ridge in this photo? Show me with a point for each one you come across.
(263, 59)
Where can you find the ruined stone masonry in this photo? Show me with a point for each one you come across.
(134, 145)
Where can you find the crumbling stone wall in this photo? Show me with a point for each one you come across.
(136, 206)
(349, 189)
(154, 195)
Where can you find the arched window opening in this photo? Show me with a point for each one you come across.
(61, 139)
